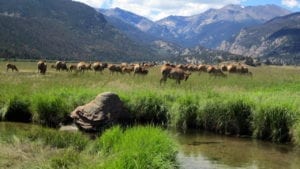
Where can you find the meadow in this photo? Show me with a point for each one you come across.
(265, 106)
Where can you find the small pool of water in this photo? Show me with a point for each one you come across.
(202, 150)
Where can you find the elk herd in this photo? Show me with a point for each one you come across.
(178, 72)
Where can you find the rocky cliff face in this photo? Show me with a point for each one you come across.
(208, 29)
(277, 39)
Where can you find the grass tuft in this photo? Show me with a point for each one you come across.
(18, 110)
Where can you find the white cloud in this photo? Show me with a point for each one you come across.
(157, 9)
(291, 3)
(93, 3)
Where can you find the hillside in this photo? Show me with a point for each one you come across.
(62, 29)
(208, 29)
(276, 40)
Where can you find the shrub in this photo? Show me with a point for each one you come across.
(140, 147)
(273, 123)
(68, 159)
(297, 133)
(108, 140)
(233, 118)
(51, 110)
(18, 110)
(148, 109)
(240, 114)
(59, 139)
(185, 113)
(211, 116)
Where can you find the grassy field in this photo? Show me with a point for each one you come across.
(30, 146)
(264, 106)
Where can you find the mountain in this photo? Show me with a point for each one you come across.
(63, 29)
(197, 54)
(208, 29)
(132, 25)
(215, 25)
(277, 40)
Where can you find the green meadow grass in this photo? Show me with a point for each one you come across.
(31, 146)
(265, 106)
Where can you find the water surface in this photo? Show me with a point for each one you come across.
(211, 151)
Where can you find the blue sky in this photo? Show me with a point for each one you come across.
(157, 9)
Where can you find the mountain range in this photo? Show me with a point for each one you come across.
(68, 30)
(208, 29)
(277, 40)
(65, 30)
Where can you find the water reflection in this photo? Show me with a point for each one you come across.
(210, 151)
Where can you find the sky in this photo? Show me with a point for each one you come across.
(158, 9)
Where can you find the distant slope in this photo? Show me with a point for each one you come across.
(198, 54)
(208, 29)
(215, 25)
(118, 19)
(277, 39)
(63, 29)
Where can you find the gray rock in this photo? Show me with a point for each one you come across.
(104, 110)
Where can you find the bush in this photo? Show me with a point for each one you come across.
(297, 133)
(59, 139)
(18, 110)
(212, 117)
(273, 123)
(51, 110)
(108, 140)
(68, 159)
(233, 118)
(139, 147)
(240, 114)
(185, 113)
(148, 109)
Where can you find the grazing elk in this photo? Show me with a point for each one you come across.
(178, 74)
(82, 66)
(202, 68)
(12, 67)
(114, 68)
(59, 65)
(72, 67)
(138, 69)
(42, 67)
(127, 69)
(98, 66)
(214, 71)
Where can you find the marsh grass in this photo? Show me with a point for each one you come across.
(117, 148)
(274, 123)
(234, 105)
(138, 147)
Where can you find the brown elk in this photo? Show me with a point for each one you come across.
(114, 68)
(178, 74)
(42, 67)
(60, 65)
(12, 67)
(127, 69)
(82, 66)
(138, 69)
(98, 66)
(72, 67)
(202, 68)
(215, 71)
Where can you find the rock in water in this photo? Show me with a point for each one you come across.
(104, 110)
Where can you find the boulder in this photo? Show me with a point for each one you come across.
(106, 109)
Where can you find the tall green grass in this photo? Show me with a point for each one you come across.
(137, 147)
(274, 123)
(234, 105)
